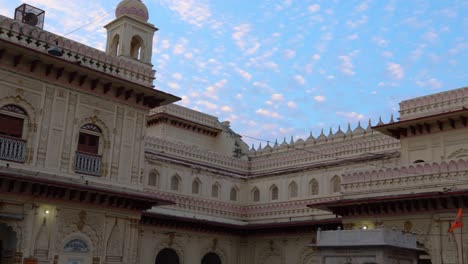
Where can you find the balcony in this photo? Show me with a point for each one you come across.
(12, 149)
(89, 164)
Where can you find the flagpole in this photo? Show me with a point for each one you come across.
(461, 238)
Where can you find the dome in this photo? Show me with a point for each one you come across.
(133, 8)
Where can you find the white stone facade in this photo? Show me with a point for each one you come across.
(210, 193)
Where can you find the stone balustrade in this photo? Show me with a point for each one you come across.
(188, 114)
(408, 176)
(368, 237)
(434, 104)
(40, 41)
(12, 149)
(89, 164)
(195, 154)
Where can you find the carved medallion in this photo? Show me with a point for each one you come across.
(408, 225)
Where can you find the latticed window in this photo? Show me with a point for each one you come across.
(153, 178)
(256, 195)
(175, 182)
(314, 187)
(196, 186)
(88, 141)
(12, 121)
(293, 190)
(215, 190)
(336, 184)
(233, 194)
(274, 192)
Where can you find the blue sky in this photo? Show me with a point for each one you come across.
(284, 68)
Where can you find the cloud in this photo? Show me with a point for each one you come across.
(395, 70)
(173, 86)
(277, 97)
(244, 74)
(319, 98)
(316, 57)
(177, 76)
(346, 65)
(362, 6)
(292, 105)
(165, 44)
(353, 36)
(207, 105)
(299, 79)
(267, 113)
(194, 12)
(431, 83)
(289, 54)
(243, 40)
(387, 54)
(357, 23)
(226, 108)
(430, 36)
(380, 41)
(351, 116)
(314, 8)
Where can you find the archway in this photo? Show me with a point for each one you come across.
(167, 256)
(211, 258)
(8, 242)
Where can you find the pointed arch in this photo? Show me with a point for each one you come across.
(233, 193)
(293, 190)
(335, 184)
(196, 186)
(215, 189)
(314, 187)
(136, 48)
(153, 178)
(274, 192)
(115, 45)
(255, 194)
(175, 182)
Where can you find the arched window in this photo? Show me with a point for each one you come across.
(115, 46)
(12, 120)
(175, 182)
(88, 141)
(274, 192)
(336, 184)
(76, 246)
(256, 194)
(233, 194)
(215, 190)
(292, 189)
(153, 178)
(167, 256)
(136, 48)
(314, 187)
(211, 258)
(196, 186)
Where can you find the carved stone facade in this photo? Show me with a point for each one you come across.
(176, 180)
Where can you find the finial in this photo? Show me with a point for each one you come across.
(349, 131)
(391, 119)
(380, 121)
(253, 147)
(276, 142)
(369, 125)
(292, 141)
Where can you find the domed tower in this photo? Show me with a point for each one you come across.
(130, 35)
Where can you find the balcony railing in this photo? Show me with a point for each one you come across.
(86, 163)
(12, 149)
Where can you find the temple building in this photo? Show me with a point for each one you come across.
(98, 166)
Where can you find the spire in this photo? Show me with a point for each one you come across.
(292, 141)
(349, 131)
(380, 121)
(391, 119)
